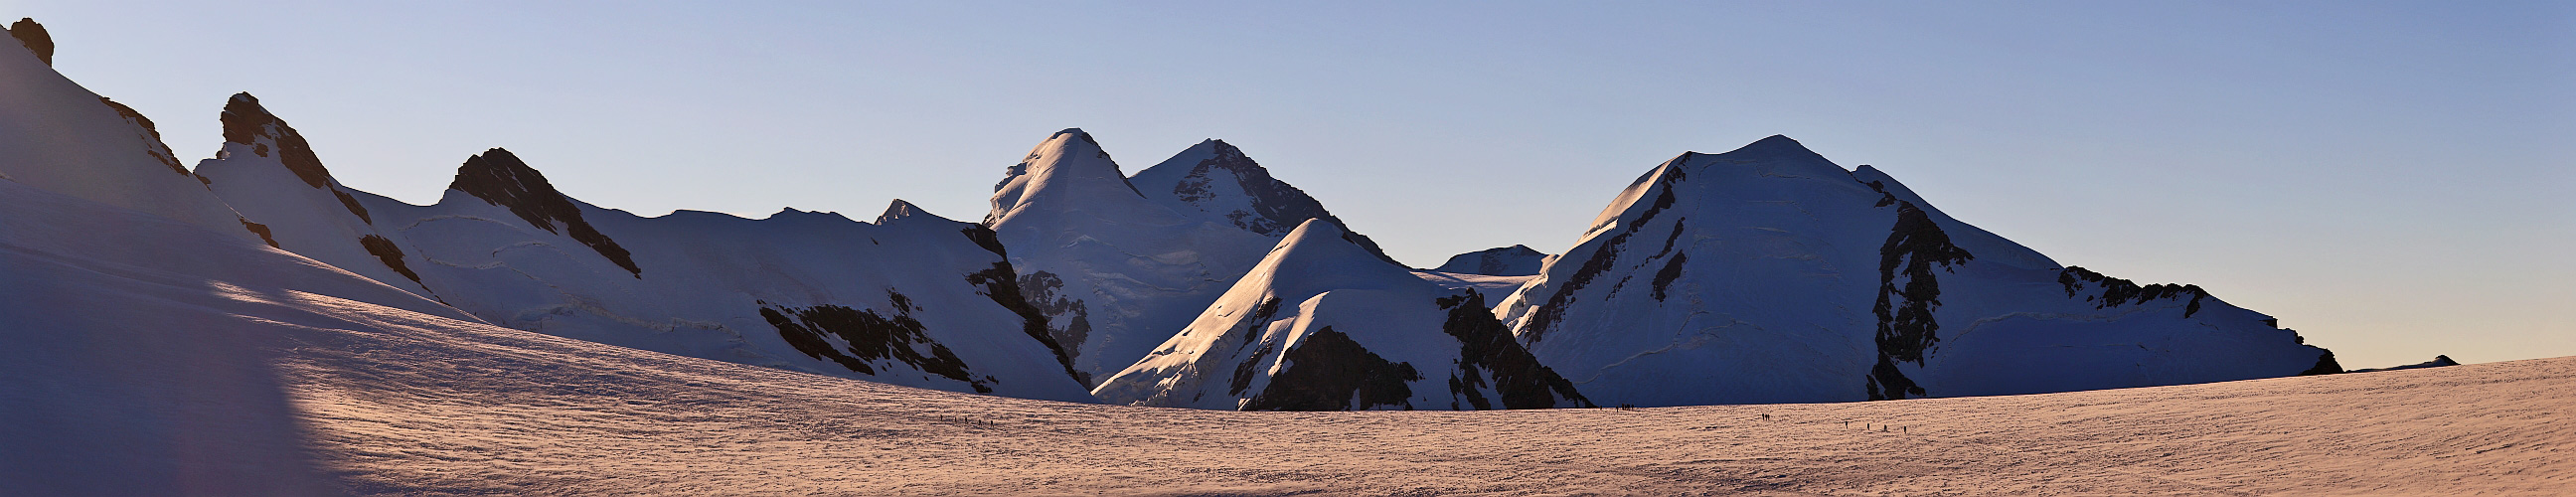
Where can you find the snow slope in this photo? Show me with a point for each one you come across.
(1769, 274)
(142, 352)
(911, 299)
(1119, 265)
(157, 369)
(1516, 260)
(1494, 288)
(57, 136)
(1324, 324)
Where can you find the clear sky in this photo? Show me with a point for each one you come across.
(2394, 180)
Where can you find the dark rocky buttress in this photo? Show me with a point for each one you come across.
(499, 178)
(386, 252)
(1488, 351)
(265, 235)
(1330, 372)
(871, 337)
(1908, 292)
(1002, 284)
(1245, 371)
(2117, 292)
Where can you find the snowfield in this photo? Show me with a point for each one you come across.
(393, 402)
(252, 327)
(136, 371)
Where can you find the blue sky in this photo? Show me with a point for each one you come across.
(2392, 179)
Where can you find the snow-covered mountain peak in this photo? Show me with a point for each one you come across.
(499, 178)
(1216, 180)
(1069, 164)
(33, 36)
(1865, 291)
(900, 212)
(1323, 324)
(254, 129)
(1321, 254)
(1776, 156)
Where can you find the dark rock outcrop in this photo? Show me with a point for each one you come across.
(386, 252)
(34, 37)
(1327, 371)
(247, 123)
(260, 229)
(871, 337)
(1245, 371)
(2438, 361)
(500, 178)
(2325, 365)
(1000, 284)
(1488, 351)
(2116, 292)
(1033, 298)
(1906, 329)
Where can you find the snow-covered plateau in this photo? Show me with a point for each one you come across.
(251, 326)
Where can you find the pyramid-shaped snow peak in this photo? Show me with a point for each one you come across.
(1322, 324)
(1215, 180)
(1770, 274)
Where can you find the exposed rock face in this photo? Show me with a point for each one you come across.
(33, 36)
(1516, 260)
(498, 177)
(1003, 285)
(2107, 292)
(265, 235)
(869, 337)
(1745, 277)
(388, 253)
(1908, 292)
(1488, 351)
(247, 123)
(1329, 372)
